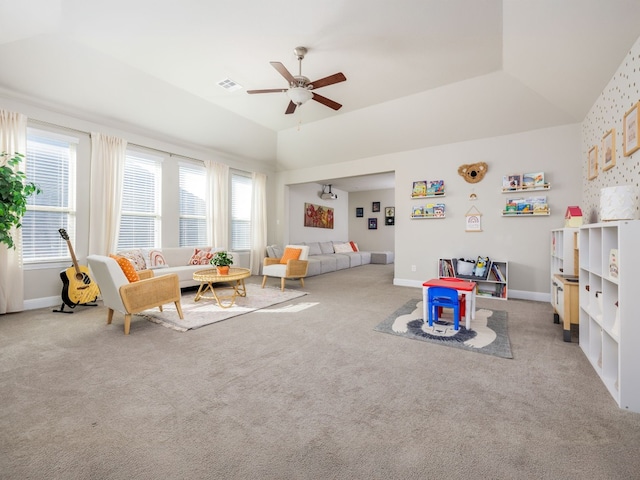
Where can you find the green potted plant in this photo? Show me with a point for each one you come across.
(14, 192)
(222, 260)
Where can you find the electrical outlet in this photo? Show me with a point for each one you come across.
(413, 268)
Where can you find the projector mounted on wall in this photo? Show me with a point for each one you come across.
(327, 195)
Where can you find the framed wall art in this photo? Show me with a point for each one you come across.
(389, 211)
(609, 150)
(473, 220)
(373, 224)
(318, 216)
(375, 207)
(593, 163)
(359, 212)
(631, 129)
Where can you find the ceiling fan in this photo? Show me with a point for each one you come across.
(300, 88)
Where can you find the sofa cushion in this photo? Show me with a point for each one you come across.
(201, 256)
(342, 247)
(314, 248)
(136, 257)
(326, 248)
(156, 259)
(274, 251)
(127, 268)
(290, 254)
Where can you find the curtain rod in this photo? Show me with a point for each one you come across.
(82, 132)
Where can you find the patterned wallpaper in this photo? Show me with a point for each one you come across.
(621, 94)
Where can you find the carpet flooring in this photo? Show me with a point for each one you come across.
(488, 332)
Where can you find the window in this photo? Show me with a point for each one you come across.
(241, 188)
(140, 220)
(51, 164)
(193, 220)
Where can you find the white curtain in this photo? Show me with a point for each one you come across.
(258, 221)
(107, 174)
(217, 204)
(13, 139)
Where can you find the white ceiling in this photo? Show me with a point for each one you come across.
(419, 72)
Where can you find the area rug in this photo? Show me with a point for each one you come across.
(205, 312)
(488, 332)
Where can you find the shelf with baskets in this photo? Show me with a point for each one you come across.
(609, 326)
(492, 283)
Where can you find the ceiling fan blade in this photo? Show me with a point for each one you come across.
(291, 108)
(269, 90)
(284, 72)
(326, 101)
(330, 80)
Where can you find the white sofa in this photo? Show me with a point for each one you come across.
(323, 257)
(164, 261)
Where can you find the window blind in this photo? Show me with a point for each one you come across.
(193, 222)
(241, 189)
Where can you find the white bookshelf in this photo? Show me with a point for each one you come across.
(609, 318)
(492, 285)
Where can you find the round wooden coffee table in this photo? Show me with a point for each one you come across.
(233, 281)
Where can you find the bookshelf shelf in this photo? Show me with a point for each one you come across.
(492, 285)
(535, 188)
(526, 214)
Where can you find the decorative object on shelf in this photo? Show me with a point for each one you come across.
(430, 210)
(618, 203)
(389, 215)
(512, 182)
(373, 224)
(526, 206)
(473, 220)
(573, 217)
(473, 196)
(613, 263)
(359, 212)
(609, 150)
(222, 261)
(593, 163)
(631, 129)
(473, 172)
(318, 216)
(375, 207)
(480, 270)
(516, 182)
(427, 188)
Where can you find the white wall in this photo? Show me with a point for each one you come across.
(620, 94)
(309, 193)
(378, 240)
(522, 241)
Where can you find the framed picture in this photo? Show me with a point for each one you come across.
(373, 224)
(389, 211)
(631, 129)
(318, 216)
(359, 212)
(389, 220)
(375, 207)
(609, 150)
(593, 163)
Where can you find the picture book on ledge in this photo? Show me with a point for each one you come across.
(527, 206)
(427, 188)
(430, 210)
(518, 181)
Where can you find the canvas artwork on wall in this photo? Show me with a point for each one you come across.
(318, 216)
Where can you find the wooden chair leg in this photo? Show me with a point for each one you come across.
(109, 316)
(282, 284)
(264, 280)
(302, 282)
(179, 309)
(127, 323)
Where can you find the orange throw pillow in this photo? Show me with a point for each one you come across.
(290, 254)
(127, 268)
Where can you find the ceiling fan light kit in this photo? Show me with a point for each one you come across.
(300, 88)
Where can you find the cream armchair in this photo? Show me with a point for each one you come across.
(292, 269)
(129, 298)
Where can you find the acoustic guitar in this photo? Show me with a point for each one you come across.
(77, 288)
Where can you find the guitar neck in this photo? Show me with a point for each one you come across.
(73, 258)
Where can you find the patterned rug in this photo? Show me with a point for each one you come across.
(205, 312)
(488, 332)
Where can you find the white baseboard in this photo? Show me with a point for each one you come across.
(43, 302)
(514, 294)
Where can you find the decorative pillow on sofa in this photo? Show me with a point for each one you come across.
(127, 268)
(136, 258)
(201, 256)
(156, 259)
(290, 254)
(354, 246)
(342, 247)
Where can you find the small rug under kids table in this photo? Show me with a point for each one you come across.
(488, 332)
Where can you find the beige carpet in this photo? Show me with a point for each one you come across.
(205, 311)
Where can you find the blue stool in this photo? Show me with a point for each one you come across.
(439, 297)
